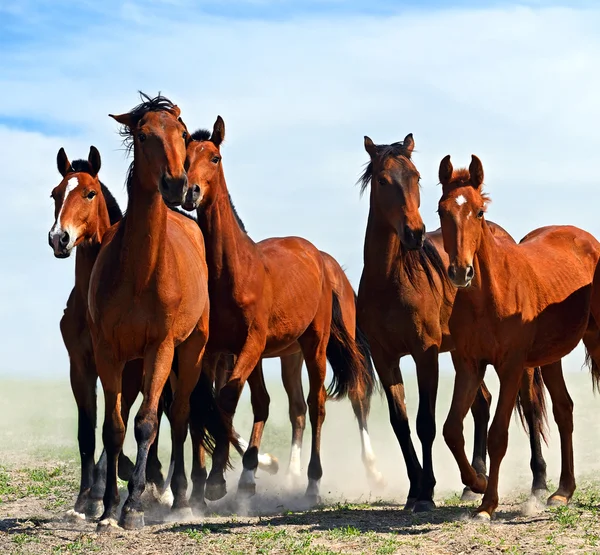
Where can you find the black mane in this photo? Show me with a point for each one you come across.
(237, 216)
(201, 135)
(157, 104)
(114, 212)
(384, 151)
(428, 259)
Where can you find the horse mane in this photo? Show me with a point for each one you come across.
(114, 211)
(157, 104)
(237, 216)
(384, 151)
(427, 259)
(461, 177)
(201, 135)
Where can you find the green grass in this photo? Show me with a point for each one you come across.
(83, 544)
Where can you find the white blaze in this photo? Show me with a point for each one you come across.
(460, 200)
(56, 230)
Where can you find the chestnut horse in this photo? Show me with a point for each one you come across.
(148, 298)
(84, 209)
(272, 298)
(519, 305)
(404, 304)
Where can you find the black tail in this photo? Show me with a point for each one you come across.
(365, 350)
(206, 416)
(351, 373)
(537, 394)
(591, 364)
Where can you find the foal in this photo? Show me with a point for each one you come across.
(517, 306)
(149, 297)
(274, 298)
(404, 304)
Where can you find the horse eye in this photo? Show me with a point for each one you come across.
(142, 137)
(382, 181)
(480, 214)
(185, 135)
(91, 195)
(216, 159)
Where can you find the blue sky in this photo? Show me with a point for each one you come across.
(299, 84)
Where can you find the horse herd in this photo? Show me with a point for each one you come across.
(183, 308)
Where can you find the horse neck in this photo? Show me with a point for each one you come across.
(226, 244)
(490, 270)
(144, 231)
(383, 247)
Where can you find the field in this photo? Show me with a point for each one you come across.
(39, 477)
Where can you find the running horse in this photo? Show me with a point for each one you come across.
(518, 305)
(84, 210)
(272, 298)
(148, 298)
(404, 305)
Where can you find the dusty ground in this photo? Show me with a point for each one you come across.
(39, 476)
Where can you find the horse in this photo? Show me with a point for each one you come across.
(148, 298)
(84, 209)
(404, 305)
(273, 298)
(291, 369)
(518, 305)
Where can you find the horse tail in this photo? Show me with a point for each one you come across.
(537, 399)
(207, 418)
(594, 369)
(365, 350)
(351, 372)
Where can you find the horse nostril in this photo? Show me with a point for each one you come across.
(64, 239)
(452, 272)
(470, 272)
(196, 189)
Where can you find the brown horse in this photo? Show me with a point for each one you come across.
(272, 298)
(404, 305)
(148, 298)
(84, 209)
(519, 305)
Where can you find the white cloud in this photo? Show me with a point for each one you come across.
(517, 86)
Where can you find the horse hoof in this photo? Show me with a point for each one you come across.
(181, 514)
(199, 507)
(106, 525)
(482, 516)
(246, 491)
(74, 516)
(469, 495)
(313, 499)
(424, 506)
(214, 492)
(269, 464)
(557, 501)
(94, 509)
(410, 504)
(132, 519)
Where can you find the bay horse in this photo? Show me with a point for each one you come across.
(404, 305)
(291, 368)
(272, 298)
(84, 210)
(518, 305)
(148, 298)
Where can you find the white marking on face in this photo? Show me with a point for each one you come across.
(469, 215)
(460, 200)
(57, 230)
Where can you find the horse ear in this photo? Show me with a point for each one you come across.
(94, 160)
(446, 169)
(62, 162)
(218, 134)
(476, 171)
(409, 144)
(176, 111)
(370, 147)
(123, 119)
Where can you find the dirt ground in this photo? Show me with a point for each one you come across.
(39, 477)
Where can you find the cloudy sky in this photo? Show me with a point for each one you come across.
(298, 83)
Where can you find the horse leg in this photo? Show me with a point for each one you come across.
(388, 370)
(228, 398)
(467, 381)
(510, 375)
(189, 355)
(428, 377)
(532, 409)
(83, 384)
(113, 431)
(260, 400)
(480, 409)
(291, 375)
(562, 407)
(157, 366)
